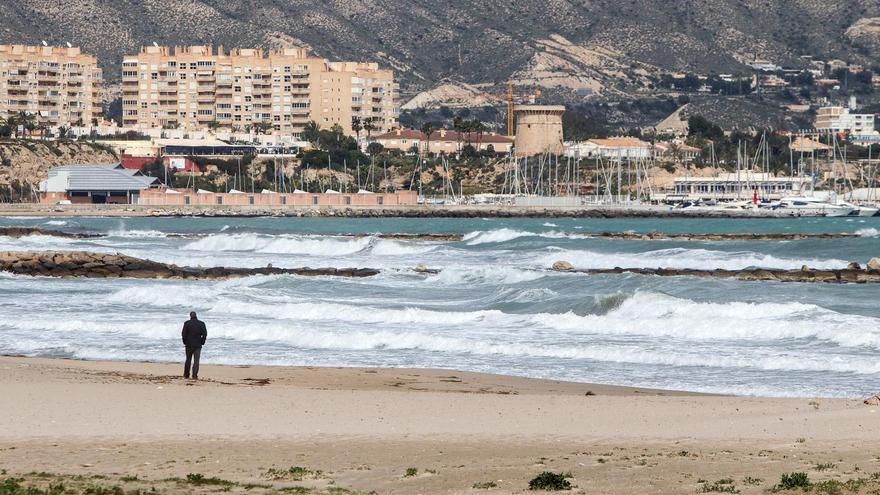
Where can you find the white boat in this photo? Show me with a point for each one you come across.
(806, 206)
(860, 210)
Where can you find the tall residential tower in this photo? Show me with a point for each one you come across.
(58, 86)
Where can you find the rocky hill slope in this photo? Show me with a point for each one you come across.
(604, 45)
(28, 161)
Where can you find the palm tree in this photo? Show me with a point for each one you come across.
(478, 127)
(311, 132)
(357, 127)
(263, 128)
(459, 125)
(369, 127)
(427, 130)
(28, 121)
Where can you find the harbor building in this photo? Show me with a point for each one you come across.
(94, 184)
(276, 92)
(188, 197)
(538, 129)
(733, 186)
(56, 85)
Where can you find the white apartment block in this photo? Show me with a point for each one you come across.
(839, 119)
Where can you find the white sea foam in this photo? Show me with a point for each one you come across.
(869, 232)
(137, 233)
(682, 258)
(549, 224)
(657, 315)
(383, 247)
(384, 338)
(534, 295)
(643, 314)
(484, 274)
(284, 244)
(56, 222)
(504, 235)
(36, 243)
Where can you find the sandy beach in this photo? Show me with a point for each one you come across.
(364, 428)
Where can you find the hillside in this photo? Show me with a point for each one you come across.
(28, 161)
(605, 45)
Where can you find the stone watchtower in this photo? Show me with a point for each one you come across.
(538, 129)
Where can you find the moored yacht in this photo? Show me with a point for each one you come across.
(860, 210)
(814, 207)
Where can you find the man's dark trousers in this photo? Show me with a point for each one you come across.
(192, 356)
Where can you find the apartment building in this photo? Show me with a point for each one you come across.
(279, 92)
(57, 85)
(839, 119)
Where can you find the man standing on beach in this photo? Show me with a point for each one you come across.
(194, 335)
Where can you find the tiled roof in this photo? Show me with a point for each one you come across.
(621, 142)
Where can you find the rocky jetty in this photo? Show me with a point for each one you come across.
(665, 236)
(469, 211)
(26, 231)
(101, 265)
(421, 237)
(852, 274)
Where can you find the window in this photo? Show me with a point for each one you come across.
(250, 200)
(219, 200)
(314, 200)
(380, 200)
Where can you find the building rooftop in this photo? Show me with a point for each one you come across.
(446, 135)
(97, 177)
(621, 142)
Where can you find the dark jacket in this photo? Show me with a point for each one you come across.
(194, 333)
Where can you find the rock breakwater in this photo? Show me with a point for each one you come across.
(664, 236)
(849, 275)
(101, 265)
(26, 231)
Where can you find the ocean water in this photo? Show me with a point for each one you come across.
(494, 307)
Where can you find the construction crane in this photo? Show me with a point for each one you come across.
(522, 97)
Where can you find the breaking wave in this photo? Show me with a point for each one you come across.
(335, 326)
(869, 232)
(504, 235)
(284, 244)
(394, 248)
(701, 259)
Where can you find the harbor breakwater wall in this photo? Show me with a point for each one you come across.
(422, 211)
